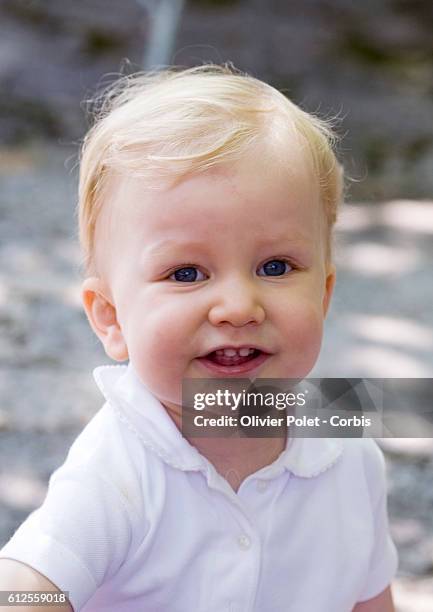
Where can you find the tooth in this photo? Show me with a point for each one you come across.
(251, 351)
(230, 352)
(243, 352)
(220, 352)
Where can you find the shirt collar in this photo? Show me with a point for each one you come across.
(144, 414)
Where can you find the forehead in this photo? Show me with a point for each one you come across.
(261, 197)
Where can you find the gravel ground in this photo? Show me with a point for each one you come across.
(380, 324)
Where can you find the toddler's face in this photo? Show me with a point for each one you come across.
(230, 258)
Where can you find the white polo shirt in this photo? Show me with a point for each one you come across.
(137, 519)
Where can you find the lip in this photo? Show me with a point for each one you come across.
(233, 370)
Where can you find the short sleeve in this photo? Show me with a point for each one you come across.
(384, 558)
(78, 538)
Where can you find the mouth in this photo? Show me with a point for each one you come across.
(233, 360)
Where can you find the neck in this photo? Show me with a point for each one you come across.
(235, 457)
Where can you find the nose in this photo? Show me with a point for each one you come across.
(237, 303)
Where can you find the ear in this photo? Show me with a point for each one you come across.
(329, 287)
(102, 317)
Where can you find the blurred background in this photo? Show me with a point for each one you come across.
(370, 63)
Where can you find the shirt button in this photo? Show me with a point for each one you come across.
(244, 542)
(262, 485)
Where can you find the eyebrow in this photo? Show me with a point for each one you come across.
(167, 244)
(294, 237)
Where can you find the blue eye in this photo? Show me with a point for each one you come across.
(275, 267)
(189, 274)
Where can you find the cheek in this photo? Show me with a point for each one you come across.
(302, 329)
(304, 322)
(159, 334)
(171, 326)
(159, 337)
(158, 323)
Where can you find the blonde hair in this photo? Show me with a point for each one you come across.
(166, 124)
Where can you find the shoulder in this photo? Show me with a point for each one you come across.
(109, 459)
(365, 463)
(105, 444)
(364, 450)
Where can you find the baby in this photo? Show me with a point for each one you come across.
(207, 202)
